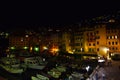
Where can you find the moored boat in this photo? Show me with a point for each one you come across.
(35, 63)
(11, 65)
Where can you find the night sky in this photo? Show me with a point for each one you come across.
(36, 14)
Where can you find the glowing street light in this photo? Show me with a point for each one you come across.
(12, 48)
(36, 49)
(45, 48)
(25, 47)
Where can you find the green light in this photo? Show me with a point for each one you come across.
(36, 49)
(12, 48)
(25, 47)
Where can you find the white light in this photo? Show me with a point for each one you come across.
(87, 68)
(26, 35)
(101, 60)
(43, 59)
(45, 48)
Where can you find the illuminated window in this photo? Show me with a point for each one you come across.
(115, 37)
(21, 39)
(109, 37)
(26, 35)
(111, 20)
(112, 37)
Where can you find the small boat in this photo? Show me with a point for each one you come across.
(54, 73)
(34, 78)
(35, 63)
(12, 70)
(41, 77)
(11, 65)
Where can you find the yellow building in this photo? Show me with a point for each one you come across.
(103, 38)
(113, 39)
(67, 42)
(100, 31)
(89, 41)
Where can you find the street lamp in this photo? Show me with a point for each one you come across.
(107, 52)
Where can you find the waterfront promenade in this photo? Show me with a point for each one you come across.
(109, 72)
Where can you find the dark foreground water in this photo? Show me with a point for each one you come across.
(24, 76)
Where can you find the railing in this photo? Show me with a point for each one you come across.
(93, 74)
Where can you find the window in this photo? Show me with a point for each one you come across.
(112, 43)
(109, 43)
(107, 37)
(112, 37)
(97, 32)
(77, 44)
(116, 43)
(97, 42)
(109, 48)
(93, 44)
(115, 37)
(90, 49)
(113, 48)
(81, 44)
(89, 44)
(78, 50)
(97, 37)
(97, 49)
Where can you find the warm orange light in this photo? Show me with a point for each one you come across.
(31, 48)
(45, 48)
(55, 50)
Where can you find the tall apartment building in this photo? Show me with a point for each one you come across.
(103, 38)
(113, 38)
(67, 42)
(79, 41)
(89, 40)
(100, 41)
